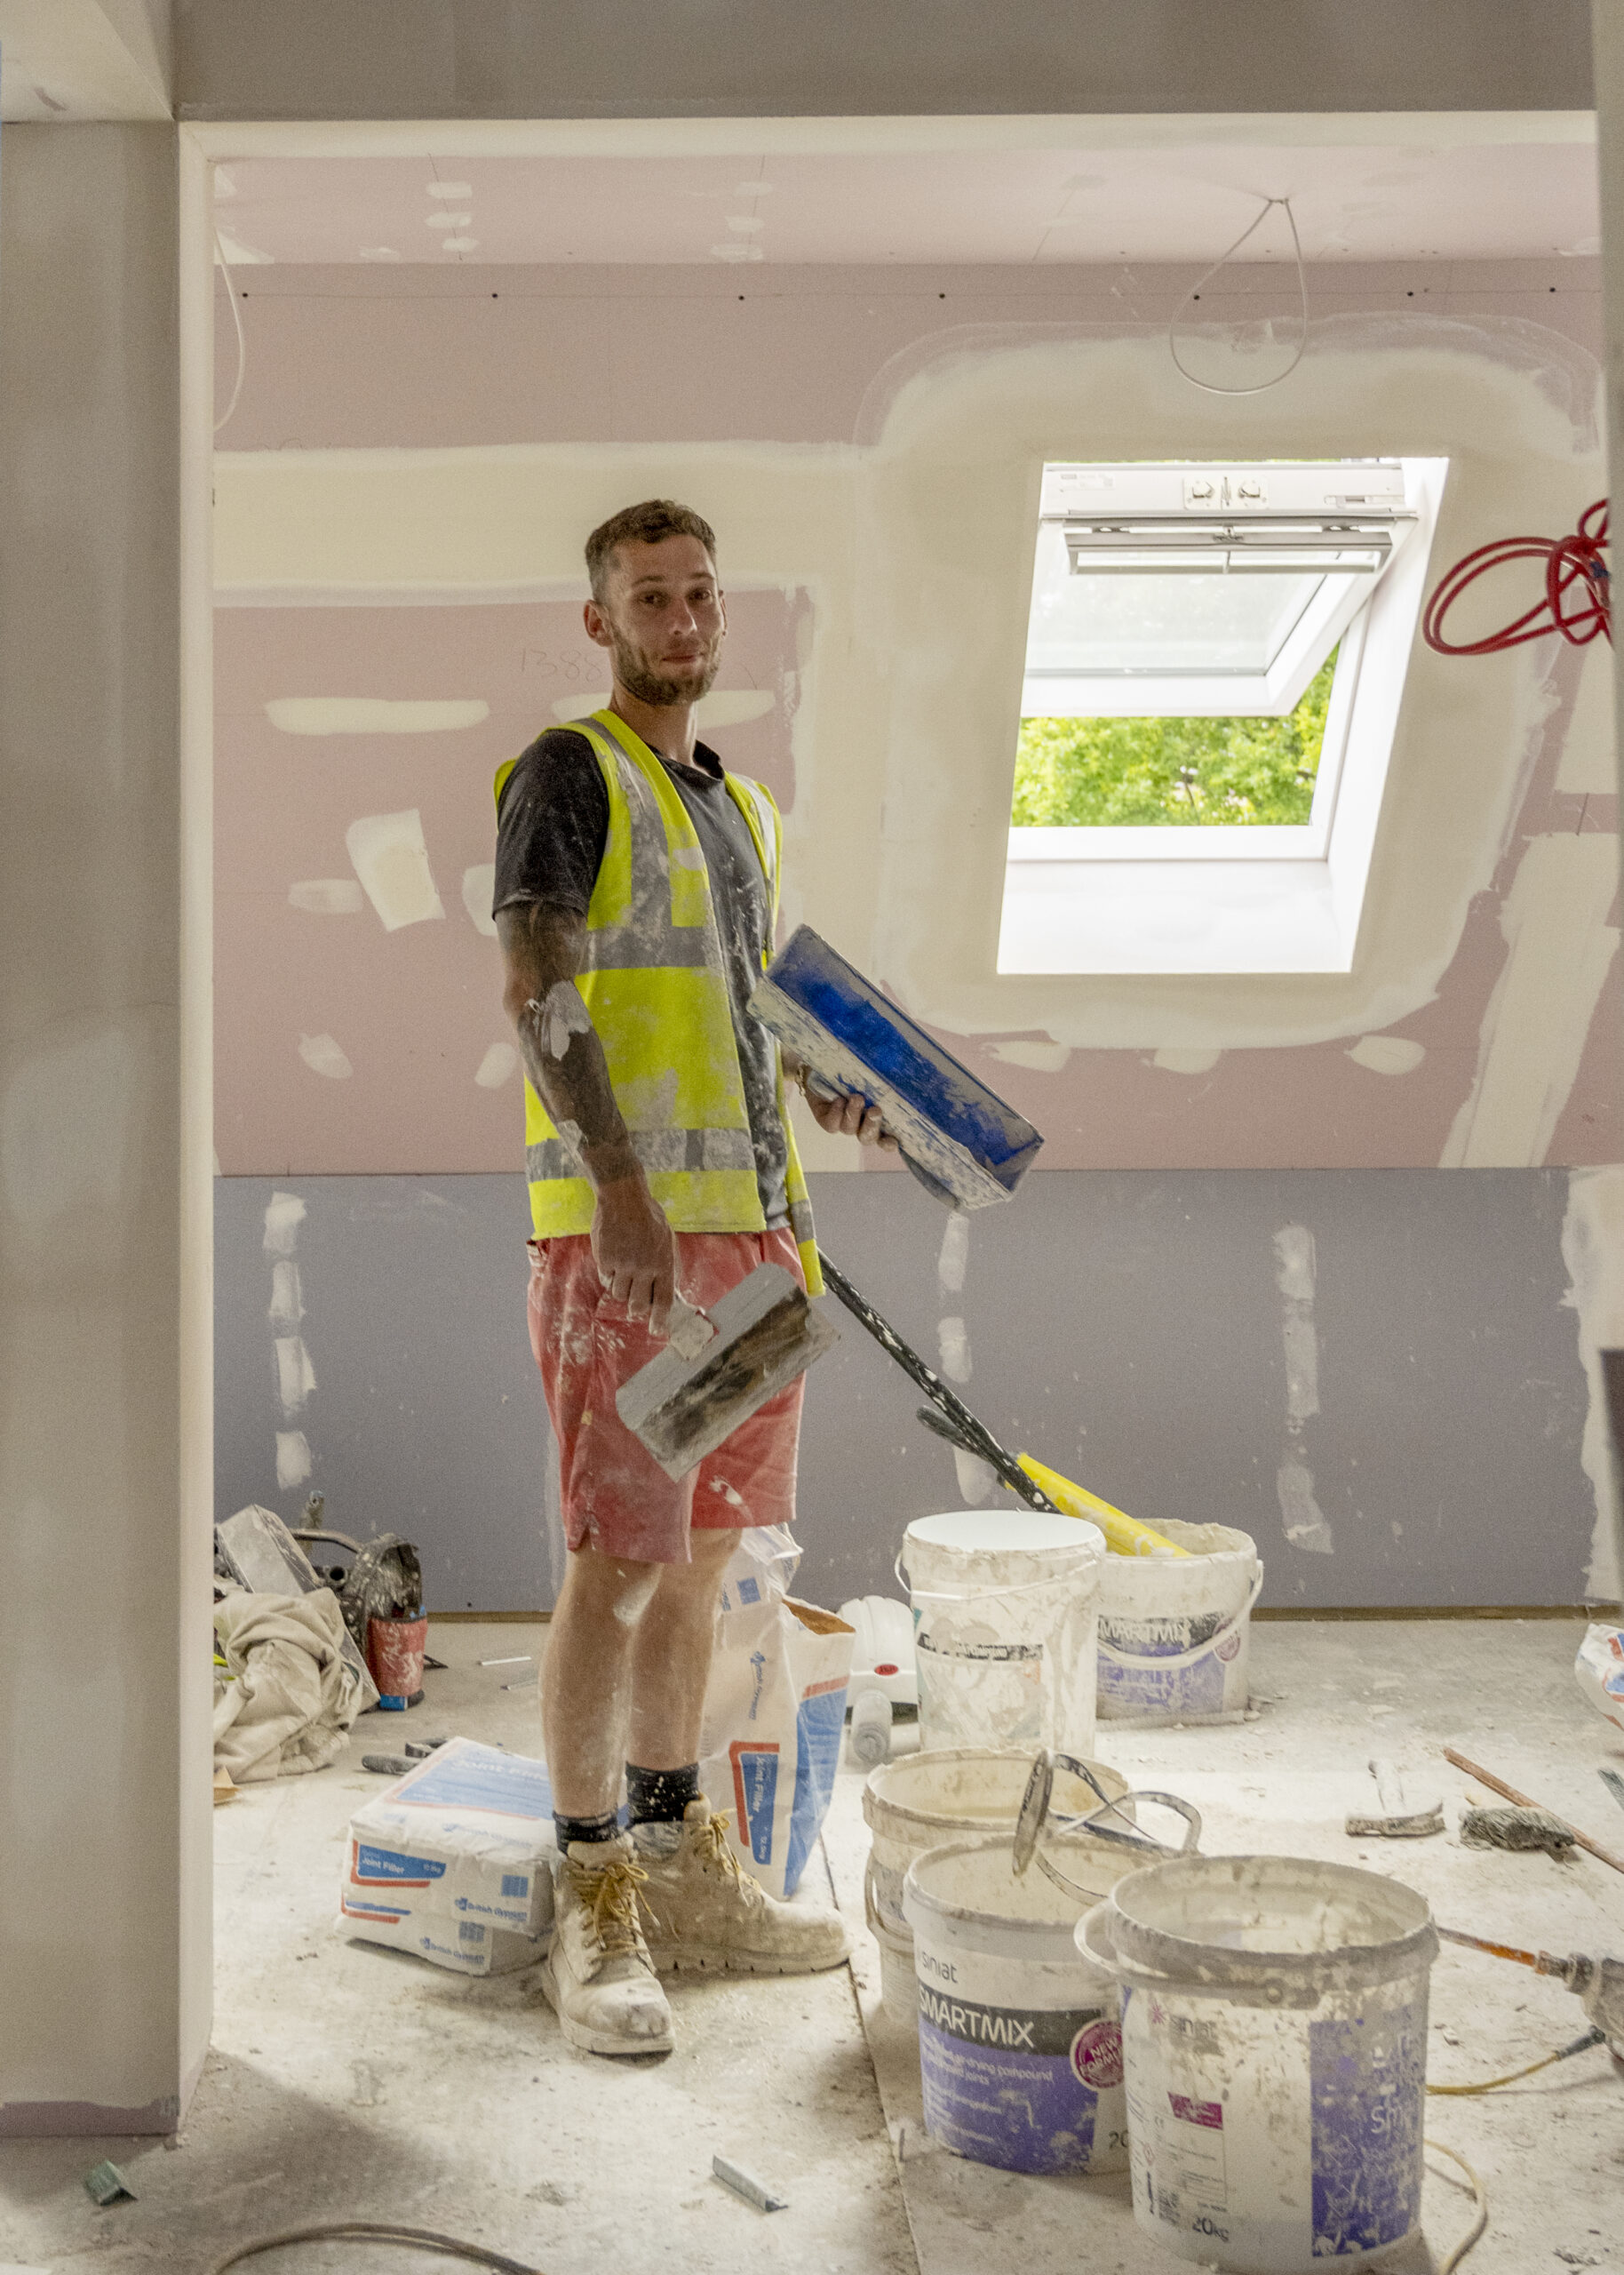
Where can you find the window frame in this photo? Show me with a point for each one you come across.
(1237, 897)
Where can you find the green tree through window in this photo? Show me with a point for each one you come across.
(1117, 773)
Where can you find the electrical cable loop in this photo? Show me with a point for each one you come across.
(1577, 602)
(1263, 385)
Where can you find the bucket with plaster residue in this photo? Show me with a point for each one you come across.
(1174, 1630)
(1020, 2052)
(1004, 1619)
(1274, 2033)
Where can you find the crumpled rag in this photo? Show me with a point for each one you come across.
(294, 1699)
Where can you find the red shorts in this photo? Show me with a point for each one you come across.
(616, 1498)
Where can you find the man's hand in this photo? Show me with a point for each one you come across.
(843, 1117)
(634, 1249)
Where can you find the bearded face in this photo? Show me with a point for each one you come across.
(663, 618)
(662, 680)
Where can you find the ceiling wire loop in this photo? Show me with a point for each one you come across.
(1263, 385)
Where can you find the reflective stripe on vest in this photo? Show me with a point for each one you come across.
(654, 982)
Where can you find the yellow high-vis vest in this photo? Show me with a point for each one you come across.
(654, 986)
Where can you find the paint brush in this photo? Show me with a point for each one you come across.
(1522, 1801)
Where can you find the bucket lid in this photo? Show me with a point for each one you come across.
(1290, 1921)
(1004, 1532)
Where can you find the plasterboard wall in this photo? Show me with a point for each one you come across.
(863, 441)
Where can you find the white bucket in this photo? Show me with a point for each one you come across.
(1020, 2050)
(1004, 1618)
(1274, 2030)
(922, 1800)
(1175, 1631)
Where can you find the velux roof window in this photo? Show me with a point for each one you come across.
(1214, 658)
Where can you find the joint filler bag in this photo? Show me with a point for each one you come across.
(454, 1861)
(775, 1709)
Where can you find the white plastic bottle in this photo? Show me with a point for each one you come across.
(870, 1743)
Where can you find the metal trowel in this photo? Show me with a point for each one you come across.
(720, 1366)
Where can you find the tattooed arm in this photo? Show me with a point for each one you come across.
(542, 948)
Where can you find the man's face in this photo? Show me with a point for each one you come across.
(663, 618)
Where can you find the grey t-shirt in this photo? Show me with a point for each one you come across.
(552, 827)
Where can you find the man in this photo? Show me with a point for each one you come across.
(636, 888)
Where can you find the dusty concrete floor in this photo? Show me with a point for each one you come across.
(348, 2082)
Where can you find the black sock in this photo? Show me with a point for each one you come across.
(661, 1796)
(589, 1828)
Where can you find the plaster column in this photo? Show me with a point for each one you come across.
(105, 1378)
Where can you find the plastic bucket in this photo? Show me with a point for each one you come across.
(1174, 1630)
(1004, 1609)
(898, 1996)
(923, 1799)
(395, 1651)
(1274, 2032)
(1020, 2050)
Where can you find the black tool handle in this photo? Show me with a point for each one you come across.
(973, 1435)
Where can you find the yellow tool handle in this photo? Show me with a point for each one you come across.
(1125, 1535)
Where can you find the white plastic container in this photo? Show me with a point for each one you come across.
(1175, 1631)
(1274, 2029)
(924, 1800)
(1005, 1615)
(1020, 2050)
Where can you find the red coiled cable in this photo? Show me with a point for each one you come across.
(1575, 572)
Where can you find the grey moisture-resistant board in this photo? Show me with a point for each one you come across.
(1128, 1326)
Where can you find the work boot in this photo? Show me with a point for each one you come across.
(707, 1915)
(597, 1976)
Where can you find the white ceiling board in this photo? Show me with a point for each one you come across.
(1516, 200)
(77, 60)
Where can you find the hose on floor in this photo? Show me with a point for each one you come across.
(377, 2231)
(1579, 2046)
(1474, 2235)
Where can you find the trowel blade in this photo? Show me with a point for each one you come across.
(766, 1334)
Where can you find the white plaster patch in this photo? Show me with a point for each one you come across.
(977, 1479)
(1593, 1249)
(1588, 766)
(390, 860)
(1388, 1054)
(284, 1214)
(479, 885)
(460, 244)
(327, 896)
(1042, 1057)
(494, 1067)
(449, 220)
(1533, 1032)
(372, 715)
(1187, 1062)
(955, 1255)
(954, 1343)
(287, 1296)
(560, 1016)
(324, 1055)
(379, 252)
(292, 1459)
(295, 1375)
(1295, 1276)
(455, 189)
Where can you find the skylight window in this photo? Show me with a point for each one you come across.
(1214, 658)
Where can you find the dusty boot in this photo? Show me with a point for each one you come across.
(704, 1913)
(597, 1978)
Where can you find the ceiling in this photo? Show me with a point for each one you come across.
(1513, 200)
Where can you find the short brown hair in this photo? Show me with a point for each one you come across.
(648, 523)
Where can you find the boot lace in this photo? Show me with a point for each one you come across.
(610, 1893)
(715, 1850)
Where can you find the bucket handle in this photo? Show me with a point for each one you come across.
(1159, 1661)
(976, 1595)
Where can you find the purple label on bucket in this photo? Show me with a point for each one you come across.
(1195, 1688)
(1366, 2083)
(1005, 2085)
